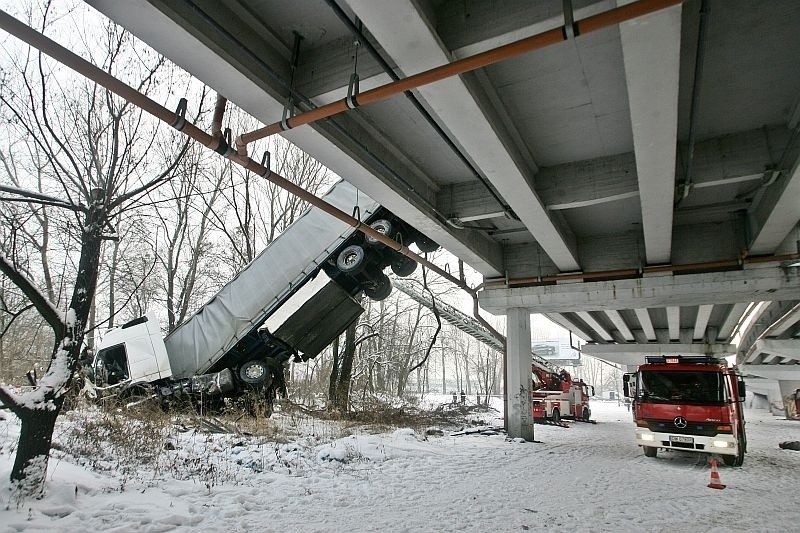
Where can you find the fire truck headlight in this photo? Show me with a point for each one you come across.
(722, 444)
(648, 436)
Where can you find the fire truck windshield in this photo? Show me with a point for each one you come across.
(705, 388)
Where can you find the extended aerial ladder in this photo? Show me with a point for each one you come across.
(468, 324)
(569, 396)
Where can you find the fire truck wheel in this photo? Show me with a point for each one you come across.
(586, 413)
(556, 416)
(650, 451)
(735, 460)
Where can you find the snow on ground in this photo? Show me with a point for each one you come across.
(584, 478)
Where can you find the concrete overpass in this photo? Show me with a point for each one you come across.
(638, 184)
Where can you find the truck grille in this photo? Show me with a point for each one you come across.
(703, 429)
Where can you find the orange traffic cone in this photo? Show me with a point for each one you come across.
(715, 482)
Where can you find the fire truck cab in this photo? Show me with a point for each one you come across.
(689, 403)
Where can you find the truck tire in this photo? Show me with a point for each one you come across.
(381, 226)
(556, 415)
(381, 290)
(650, 451)
(137, 397)
(426, 245)
(738, 459)
(404, 266)
(586, 414)
(352, 260)
(254, 372)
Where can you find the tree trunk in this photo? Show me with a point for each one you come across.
(402, 377)
(112, 285)
(346, 368)
(444, 371)
(334, 379)
(36, 433)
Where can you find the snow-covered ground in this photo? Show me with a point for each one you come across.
(584, 478)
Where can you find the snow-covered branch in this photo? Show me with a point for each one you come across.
(45, 307)
(37, 197)
(50, 386)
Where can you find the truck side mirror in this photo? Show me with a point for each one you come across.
(626, 385)
(742, 390)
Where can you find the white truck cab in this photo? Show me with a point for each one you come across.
(133, 353)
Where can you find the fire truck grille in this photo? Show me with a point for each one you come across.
(703, 429)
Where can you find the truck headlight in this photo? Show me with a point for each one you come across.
(648, 436)
(722, 444)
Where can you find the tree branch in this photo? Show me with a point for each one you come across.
(14, 316)
(45, 199)
(42, 304)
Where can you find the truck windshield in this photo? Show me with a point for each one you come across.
(704, 388)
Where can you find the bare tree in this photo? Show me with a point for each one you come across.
(184, 222)
(94, 154)
(253, 211)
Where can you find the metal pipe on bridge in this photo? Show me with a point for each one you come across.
(213, 142)
(461, 66)
(630, 273)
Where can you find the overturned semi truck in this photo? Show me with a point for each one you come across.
(290, 302)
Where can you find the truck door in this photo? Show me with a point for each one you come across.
(111, 365)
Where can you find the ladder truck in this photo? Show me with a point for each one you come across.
(555, 395)
(559, 396)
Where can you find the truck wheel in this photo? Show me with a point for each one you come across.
(137, 397)
(556, 416)
(254, 372)
(650, 451)
(404, 266)
(735, 460)
(426, 245)
(586, 414)
(381, 290)
(352, 260)
(381, 226)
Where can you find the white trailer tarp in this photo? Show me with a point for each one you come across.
(263, 285)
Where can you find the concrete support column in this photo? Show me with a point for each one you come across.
(787, 387)
(763, 388)
(518, 373)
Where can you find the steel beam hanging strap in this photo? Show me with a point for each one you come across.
(467, 64)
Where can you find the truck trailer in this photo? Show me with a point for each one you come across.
(688, 403)
(290, 302)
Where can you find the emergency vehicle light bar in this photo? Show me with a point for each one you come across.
(681, 359)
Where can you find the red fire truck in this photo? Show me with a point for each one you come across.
(556, 395)
(690, 403)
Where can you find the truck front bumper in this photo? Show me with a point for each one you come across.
(721, 443)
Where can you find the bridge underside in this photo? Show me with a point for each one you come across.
(638, 184)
